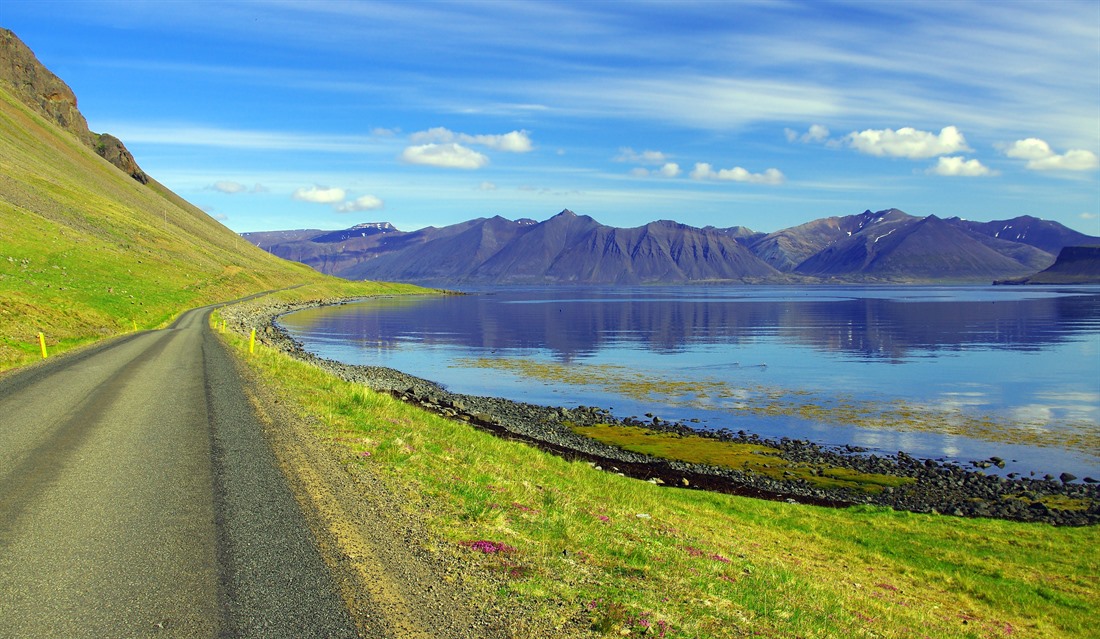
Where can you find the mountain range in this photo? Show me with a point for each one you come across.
(883, 246)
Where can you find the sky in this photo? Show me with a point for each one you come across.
(274, 115)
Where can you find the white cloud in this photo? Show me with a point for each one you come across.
(667, 170)
(487, 186)
(512, 142)
(704, 171)
(228, 186)
(1040, 157)
(451, 156)
(908, 142)
(816, 133)
(361, 203)
(320, 195)
(627, 154)
(960, 166)
(1089, 216)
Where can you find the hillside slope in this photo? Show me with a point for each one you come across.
(86, 251)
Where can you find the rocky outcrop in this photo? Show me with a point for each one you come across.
(41, 90)
(111, 149)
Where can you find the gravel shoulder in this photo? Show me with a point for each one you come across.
(395, 579)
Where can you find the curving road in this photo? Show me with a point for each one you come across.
(139, 497)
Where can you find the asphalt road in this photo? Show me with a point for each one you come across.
(140, 498)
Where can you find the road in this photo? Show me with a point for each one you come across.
(139, 497)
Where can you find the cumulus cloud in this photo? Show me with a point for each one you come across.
(816, 133)
(487, 186)
(704, 171)
(627, 154)
(908, 142)
(1040, 157)
(667, 170)
(320, 195)
(512, 142)
(1089, 216)
(960, 166)
(361, 203)
(451, 155)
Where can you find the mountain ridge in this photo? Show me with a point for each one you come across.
(882, 246)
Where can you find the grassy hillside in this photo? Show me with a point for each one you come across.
(87, 252)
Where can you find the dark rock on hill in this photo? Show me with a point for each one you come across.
(41, 90)
(111, 149)
(1075, 265)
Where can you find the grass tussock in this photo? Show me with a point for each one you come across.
(588, 553)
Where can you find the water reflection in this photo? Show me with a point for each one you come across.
(581, 322)
(942, 372)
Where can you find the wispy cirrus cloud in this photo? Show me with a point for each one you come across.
(231, 187)
(511, 142)
(189, 135)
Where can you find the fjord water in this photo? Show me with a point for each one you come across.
(952, 373)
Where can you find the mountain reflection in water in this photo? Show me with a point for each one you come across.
(1026, 360)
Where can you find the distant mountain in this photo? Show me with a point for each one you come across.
(567, 248)
(789, 248)
(888, 246)
(1042, 234)
(1075, 265)
(891, 245)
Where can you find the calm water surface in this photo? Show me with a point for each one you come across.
(958, 373)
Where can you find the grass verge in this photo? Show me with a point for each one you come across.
(578, 552)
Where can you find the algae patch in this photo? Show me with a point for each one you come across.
(826, 408)
(751, 458)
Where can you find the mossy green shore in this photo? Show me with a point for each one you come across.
(575, 552)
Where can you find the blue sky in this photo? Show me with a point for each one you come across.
(282, 115)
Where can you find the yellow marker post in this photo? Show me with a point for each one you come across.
(135, 324)
(251, 343)
(42, 343)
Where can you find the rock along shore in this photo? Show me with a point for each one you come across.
(938, 487)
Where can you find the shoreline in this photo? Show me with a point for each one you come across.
(943, 488)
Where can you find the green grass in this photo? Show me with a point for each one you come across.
(589, 553)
